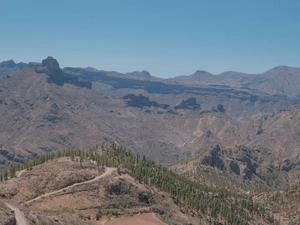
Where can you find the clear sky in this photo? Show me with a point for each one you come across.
(166, 37)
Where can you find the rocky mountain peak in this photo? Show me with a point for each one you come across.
(282, 71)
(201, 72)
(8, 63)
(143, 73)
(146, 73)
(50, 67)
(51, 63)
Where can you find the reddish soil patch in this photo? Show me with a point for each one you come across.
(145, 219)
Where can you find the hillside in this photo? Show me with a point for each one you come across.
(225, 143)
(84, 192)
(237, 100)
(240, 168)
(112, 186)
(41, 115)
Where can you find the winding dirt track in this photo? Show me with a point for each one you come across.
(107, 172)
(18, 214)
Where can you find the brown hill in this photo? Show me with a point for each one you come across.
(73, 192)
(78, 190)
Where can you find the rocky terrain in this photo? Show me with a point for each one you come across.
(7, 217)
(69, 194)
(238, 100)
(45, 109)
(240, 94)
(77, 190)
(240, 168)
(232, 131)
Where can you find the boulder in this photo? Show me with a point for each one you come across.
(212, 158)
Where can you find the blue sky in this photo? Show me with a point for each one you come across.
(166, 37)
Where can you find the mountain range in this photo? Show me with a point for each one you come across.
(45, 108)
(236, 131)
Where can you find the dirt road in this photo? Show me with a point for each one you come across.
(107, 172)
(18, 214)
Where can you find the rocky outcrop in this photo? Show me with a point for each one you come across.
(249, 166)
(51, 68)
(286, 165)
(8, 67)
(220, 108)
(234, 167)
(120, 186)
(140, 101)
(144, 196)
(144, 73)
(189, 104)
(8, 64)
(213, 159)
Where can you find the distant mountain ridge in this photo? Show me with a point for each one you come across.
(280, 80)
(240, 94)
(237, 100)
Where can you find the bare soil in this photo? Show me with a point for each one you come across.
(144, 219)
(20, 218)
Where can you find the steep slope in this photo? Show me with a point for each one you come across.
(43, 109)
(240, 168)
(40, 116)
(276, 132)
(138, 186)
(273, 182)
(87, 193)
(238, 100)
(281, 80)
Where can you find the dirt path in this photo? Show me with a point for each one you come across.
(18, 214)
(107, 172)
(19, 173)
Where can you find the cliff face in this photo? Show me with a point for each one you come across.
(51, 68)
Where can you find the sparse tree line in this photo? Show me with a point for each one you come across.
(190, 196)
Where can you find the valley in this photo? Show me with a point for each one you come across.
(197, 148)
